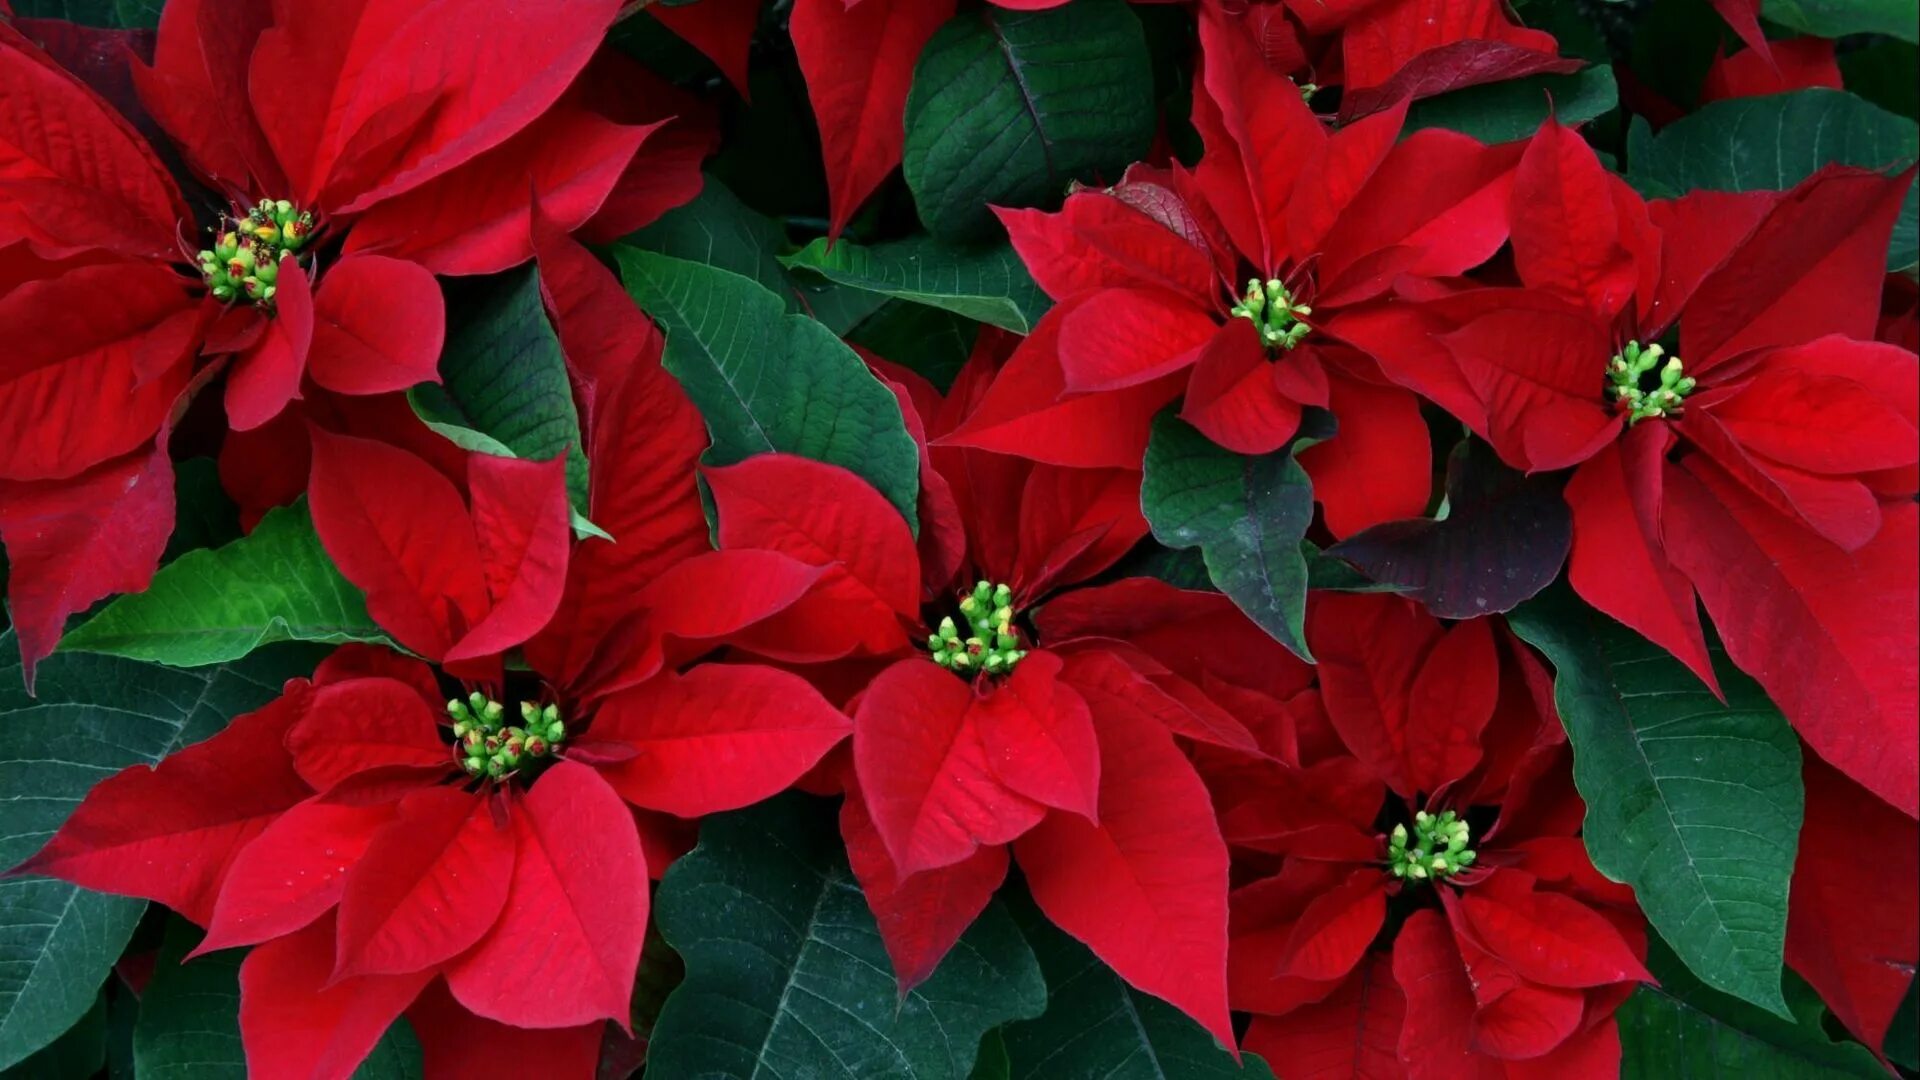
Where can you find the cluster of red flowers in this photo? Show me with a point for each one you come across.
(1376, 856)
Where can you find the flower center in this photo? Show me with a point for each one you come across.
(991, 645)
(1271, 308)
(1635, 386)
(1437, 847)
(487, 746)
(244, 262)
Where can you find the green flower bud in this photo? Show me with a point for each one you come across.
(556, 732)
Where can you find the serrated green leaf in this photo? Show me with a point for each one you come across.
(1008, 107)
(1694, 803)
(215, 605)
(1247, 515)
(189, 1025)
(1504, 111)
(769, 381)
(1681, 1030)
(988, 285)
(94, 716)
(1772, 143)
(1839, 18)
(1097, 1026)
(786, 974)
(504, 378)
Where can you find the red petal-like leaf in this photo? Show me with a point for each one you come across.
(1146, 888)
(720, 29)
(1100, 239)
(1116, 338)
(568, 943)
(350, 726)
(457, 1045)
(1550, 939)
(1434, 1038)
(925, 772)
(720, 737)
(920, 917)
(1450, 702)
(521, 523)
(1378, 467)
(1566, 231)
(378, 325)
(1334, 931)
(1039, 737)
(1353, 1035)
(292, 873)
(266, 376)
(170, 832)
(295, 1023)
(430, 886)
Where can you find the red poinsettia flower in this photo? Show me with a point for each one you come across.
(485, 873)
(1511, 951)
(1230, 284)
(978, 735)
(1768, 465)
(360, 149)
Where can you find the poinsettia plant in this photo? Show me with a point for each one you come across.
(946, 539)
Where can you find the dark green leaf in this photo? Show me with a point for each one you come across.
(1838, 18)
(504, 376)
(1886, 73)
(203, 515)
(94, 716)
(79, 1053)
(1903, 1038)
(930, 341)
(112, 14)
(1772, 143)
(1007, 107)
(1681, 1030)
(1694, 803)
(988, 284)
(211, 606)
(1502, 538)
(1097, 1026)
(1504, 111)
(768, 381)
(1247, 515)
(786, 975)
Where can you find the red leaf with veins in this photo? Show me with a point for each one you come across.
(521, 522)
(1566, 230)
(1039, 737)
(295, 1021)
(720, 737)
(1352, 1035)
(925, 772)
(568, 940)
(1146, 888)
(292, 873)
(378, 325)
(1334, 930)
(170, 832)
(858, 63)
(721, 29)
(266, 376)
(431, 884)
(354, 725)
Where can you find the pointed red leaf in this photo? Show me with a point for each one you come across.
(1451, 700)
(353, 725)
(1338, 171)
(1744, 17)
(398, 530)
(521, 522)
(1371, 648)
(568, 943)
(1234, 397)
(1353, 1035)
(266, 377)
(1551, 939)
(1793, 412)
(170, 832)
(1107, 239)
(1146, 888)
(1795, 64)
(457, 1045)
(919, 917)
(1378, 467)
(1540, 375)
(721, 29)
(378, 325)
(295, 1024)
(1116, 338)
(720, 737)
(197, 89)
(430, 886)
(1434, 1037)
(1332, 934)
(1566, 231)
(1830, 635)
(858, 63)
(925, 773)
(292, 873)
(1039, 738)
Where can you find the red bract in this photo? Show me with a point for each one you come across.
(971, 743)
(1794, 64)
(1512, 952)
(1315, 227)
(371, 855)
(362, 147)
(1768, 467)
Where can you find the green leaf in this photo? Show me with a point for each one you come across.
(111, 14)
(768, 381)
(203, 515)
(1694, 803)
(505, 378)
(1097, 1026)
(1772, 143)
(786, 974)
(80, 1052)
(1903, 1035)
(1247, 515)
(1505, 111)
(1681, 1030)
(94, 716)
(988, 285)
(935, 343)
(1838, 18)
(215, 605)
(1008, 107)
(189, 1025)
